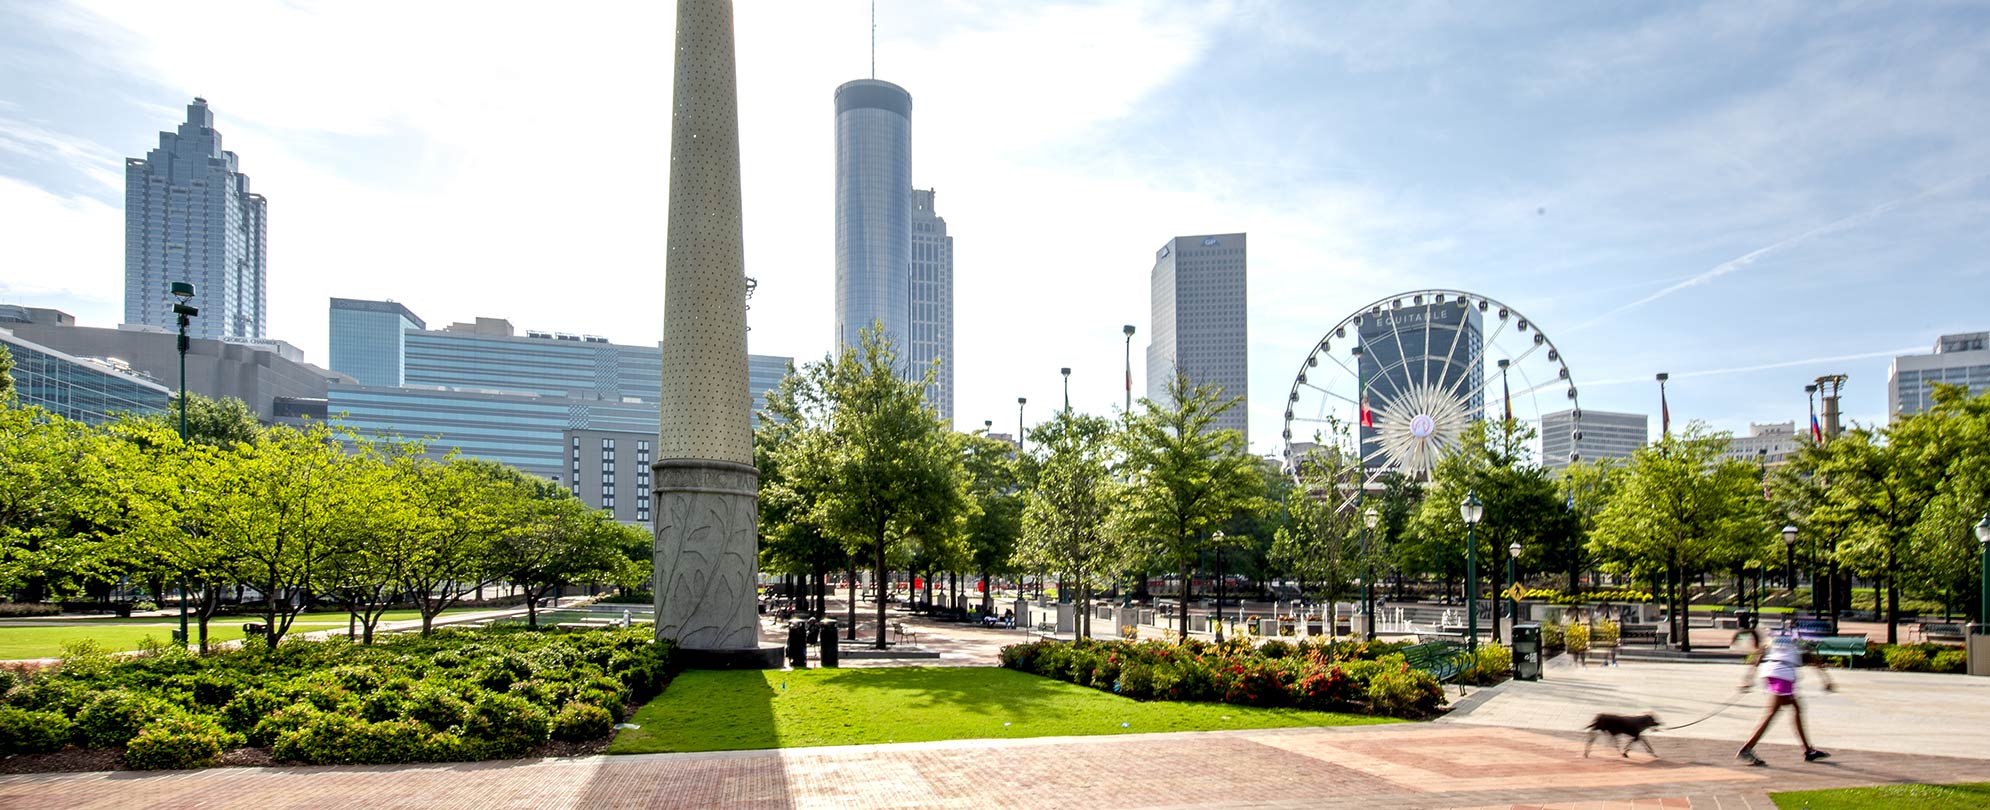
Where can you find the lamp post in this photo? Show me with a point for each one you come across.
(183, 311)
(1216, 615)
(1790, 558)
(1128, 331)
(1066, 371)
(1512, 586)
(1368, 521)
(1020, 402)
(1983, 541)
(1472, 510)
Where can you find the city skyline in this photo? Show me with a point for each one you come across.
(1651, 184)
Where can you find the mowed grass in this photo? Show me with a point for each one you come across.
(1971, 796)
(739, 710)
(45, 638)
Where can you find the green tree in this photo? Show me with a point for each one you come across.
(223, 422)
(879, 463)
(1068, 512)
(43, 463)
(1494, 462)
(1586, 487)
(1321, 539)
(1682, 508)
(563, 543)
(281, 511)
(996, 523)
(1942, 546)
(160, 493)
(6, 376)
(793, 539)
(461, 510)
(1185, 475)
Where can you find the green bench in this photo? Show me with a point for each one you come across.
(1444, 660)
(1846, 647)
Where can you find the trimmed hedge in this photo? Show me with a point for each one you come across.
(1324, 676)
(456, 695)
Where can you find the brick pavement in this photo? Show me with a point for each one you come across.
(1411, 765)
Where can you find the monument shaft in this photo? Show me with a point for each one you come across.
(706, 487)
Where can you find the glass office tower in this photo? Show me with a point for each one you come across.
(189, 216)
(873, 211)
(369, 340)
(1199, 320)
(932, 336)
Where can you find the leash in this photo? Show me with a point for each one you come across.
(1710, 715)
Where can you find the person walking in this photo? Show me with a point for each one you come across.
(1778, 665)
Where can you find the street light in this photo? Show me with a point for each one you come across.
(183, 290)
(1472, 510)
(1020, 402)
(1066, 371)
(1128, 330)
(1512, 586)
(1368, 521)
(1216, 540)
(1790, 561)
(1983, 540)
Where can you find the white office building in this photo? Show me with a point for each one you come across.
(1768, 443)
(1597, 435)
(1962, 359)
(1200, 320)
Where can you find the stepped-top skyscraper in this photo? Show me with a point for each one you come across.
(1199, 321)
(932, 300)
(873, 212)
(189, 216)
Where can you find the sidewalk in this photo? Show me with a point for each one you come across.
(1409, 765)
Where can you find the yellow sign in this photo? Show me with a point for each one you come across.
(1516, 593)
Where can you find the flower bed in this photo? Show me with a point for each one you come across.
(1324, 676)
(456, 695)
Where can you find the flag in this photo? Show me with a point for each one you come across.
(1816, 433)
(1367, 416)
(1664, 415)
(1506, 394)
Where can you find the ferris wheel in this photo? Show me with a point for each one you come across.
(1397, 383)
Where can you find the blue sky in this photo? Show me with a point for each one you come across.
(1744, 195)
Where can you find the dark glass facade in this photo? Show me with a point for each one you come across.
(873, 211)
(78, 389)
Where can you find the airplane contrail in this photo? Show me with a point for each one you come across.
(1749, 258)
(1766, 366)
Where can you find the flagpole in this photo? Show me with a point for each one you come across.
(1664, 410)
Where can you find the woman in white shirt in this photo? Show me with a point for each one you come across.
(1778, 665)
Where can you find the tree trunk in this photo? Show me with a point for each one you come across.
(850, 633)
(1892, 610)
(1182, 629)
(882, 593)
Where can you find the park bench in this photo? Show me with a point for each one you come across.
(1442, 659)
(1646, 633)
(1846, 647)
(1813, 628)
(1943, 633)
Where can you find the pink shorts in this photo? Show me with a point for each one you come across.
(1781, 687)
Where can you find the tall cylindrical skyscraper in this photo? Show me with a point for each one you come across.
(873, 211)
(707, 490)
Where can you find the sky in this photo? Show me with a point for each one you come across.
(1744, 195)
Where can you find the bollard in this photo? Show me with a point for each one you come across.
(798, 646)
(828, 651)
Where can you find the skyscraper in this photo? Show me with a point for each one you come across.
(369, 340)
(932, 301)
(1199, 320)
(189, 216)
(1960, 359)
(874, 212)
(1604, 434)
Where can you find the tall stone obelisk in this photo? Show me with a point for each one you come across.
(707, 490)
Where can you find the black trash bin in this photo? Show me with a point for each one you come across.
(828, 651)
(798, 645)
(1746, 619)
(1527, 652)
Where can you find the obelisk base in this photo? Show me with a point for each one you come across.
(707, 563)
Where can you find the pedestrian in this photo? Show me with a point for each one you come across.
(1778, 665)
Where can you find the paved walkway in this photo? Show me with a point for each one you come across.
(1420, 765)
(1898, 712)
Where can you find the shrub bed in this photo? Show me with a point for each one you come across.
(1941, 658)
(1329, 675)
(456, 695)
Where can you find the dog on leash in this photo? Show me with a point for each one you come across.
(1630, 726)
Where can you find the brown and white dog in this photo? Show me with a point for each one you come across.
(1630, 726)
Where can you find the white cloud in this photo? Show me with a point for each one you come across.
(56, 248)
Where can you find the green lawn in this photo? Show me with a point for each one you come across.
(736, 710)
(1884, 797)
(44, 639)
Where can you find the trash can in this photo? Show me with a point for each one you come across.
(1527, 652)
(828, 652)
(798, 645)
(1745, 619)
